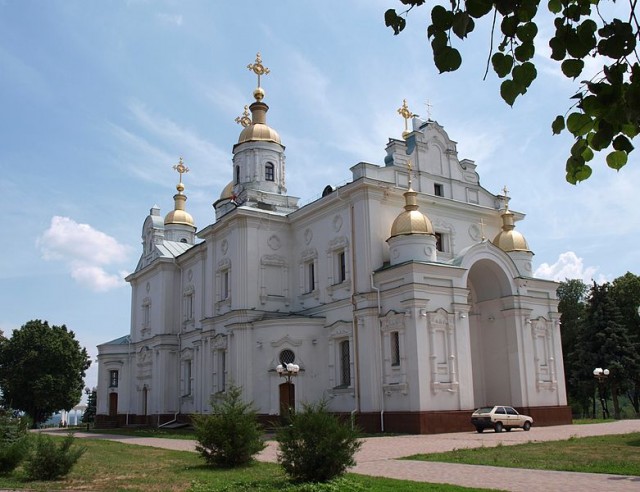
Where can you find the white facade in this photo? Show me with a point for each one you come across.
(409, 332)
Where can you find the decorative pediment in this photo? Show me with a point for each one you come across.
(286, 340)
(308, 254)
(340, 329)
(219, 342)
(392, 321)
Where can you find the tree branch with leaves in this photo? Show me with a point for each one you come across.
(605, 112)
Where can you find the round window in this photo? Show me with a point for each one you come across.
(287, 357)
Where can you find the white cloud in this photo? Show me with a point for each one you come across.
(569, 266)
(86, 252)
(173, 19)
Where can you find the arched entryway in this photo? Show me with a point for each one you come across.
(494, 349)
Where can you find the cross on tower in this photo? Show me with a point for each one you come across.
(407, 115)
(258, 68)
(181, 168)
(244, 118)
(429, 108)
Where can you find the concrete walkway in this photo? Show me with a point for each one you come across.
(378, 457)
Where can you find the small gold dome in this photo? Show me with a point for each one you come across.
(509, 239)
(259, 131)
(411, 221)
(227, 191)
(179, 217)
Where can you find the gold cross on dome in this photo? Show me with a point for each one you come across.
(258, 68)
(407, 115)
(244, 118)
(181, 168)
(506, 198)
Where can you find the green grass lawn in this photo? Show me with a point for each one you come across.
(618, 454)
(113, 466)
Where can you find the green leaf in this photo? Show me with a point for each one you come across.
(525, 51)
(579, 124)
(587, 155)
(393, 20)
(441, 18)
(558, 48)
(617, 159)
(509, 90)
(591, 105)
(509, 26)
(555, 6)
(572, 68)
(502, 64)
(439, 42)
(524, 74)
(579, 147)
(479, 8)
(577, 170)
(622, 143)
(558, 125)
(527, 32)
(461, 24)
(447, 59)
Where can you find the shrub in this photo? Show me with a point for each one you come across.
(49, 461)
(14, 441)
(230, 436)
(316, 446)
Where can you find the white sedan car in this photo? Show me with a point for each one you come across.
(499, 417)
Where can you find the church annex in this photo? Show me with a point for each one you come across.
(404, 298)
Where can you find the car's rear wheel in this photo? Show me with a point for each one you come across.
(498, 427)
(527, 426)
(480, 430)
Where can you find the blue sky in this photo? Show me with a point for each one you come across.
(100, 99)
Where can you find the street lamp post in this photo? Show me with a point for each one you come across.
(289, 371)
(601, 376)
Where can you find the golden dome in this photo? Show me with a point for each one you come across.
(179, 215)
(259, 131)
(509, 239)
(411, 221)
(227, 191)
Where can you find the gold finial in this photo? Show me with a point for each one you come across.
(182, 169)
(244, 118)
(407, 115)
(429, 108)
(482, 230)
(259, 69)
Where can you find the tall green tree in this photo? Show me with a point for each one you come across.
(606, 343)
(572, 304)
(42, 369)
(626, 294)
(604, 113)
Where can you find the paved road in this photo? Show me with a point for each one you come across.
(377, 457)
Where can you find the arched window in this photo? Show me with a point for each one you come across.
(269, 173)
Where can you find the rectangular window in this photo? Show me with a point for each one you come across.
(438, 189)
(269, 172)
(187, 378)
(188, 307)
(395, 348)
(222, 369)
(113, 379)
(146, 315)
(341, 274)
(311, 277)
(225, 285)
(345, 364)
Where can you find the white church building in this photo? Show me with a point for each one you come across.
(404, 298)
